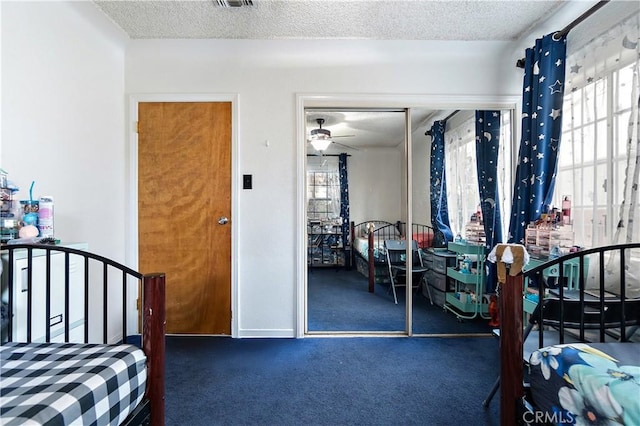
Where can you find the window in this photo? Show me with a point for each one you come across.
(601, 96)
(463, 197)
(462, 179)
(323, 188)
(592, 157)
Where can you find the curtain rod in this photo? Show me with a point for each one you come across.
(428, 132)
(326, 155)
(563, 32)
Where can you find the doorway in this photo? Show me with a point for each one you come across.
(180, 231)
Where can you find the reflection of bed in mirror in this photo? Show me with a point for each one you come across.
(382, 230)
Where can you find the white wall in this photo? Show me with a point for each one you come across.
(63, 118)
(268, 75)
(375, 185)
(63, 111)
(420, 176)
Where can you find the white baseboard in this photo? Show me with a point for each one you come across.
(266, 333)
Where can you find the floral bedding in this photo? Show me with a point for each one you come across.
(361, 246)
(587, 384)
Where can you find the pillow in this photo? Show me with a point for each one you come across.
(424, 239)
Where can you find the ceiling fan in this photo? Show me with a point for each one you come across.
(321, 138)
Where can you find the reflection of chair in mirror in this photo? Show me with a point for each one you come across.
(396, 254)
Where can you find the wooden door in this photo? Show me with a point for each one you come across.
(184, 187)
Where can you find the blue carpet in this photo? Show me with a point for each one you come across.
(338, 300)
(330, 381)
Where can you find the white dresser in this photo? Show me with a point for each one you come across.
(57, 306)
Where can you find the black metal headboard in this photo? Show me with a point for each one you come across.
(605, 280)
(46, 268)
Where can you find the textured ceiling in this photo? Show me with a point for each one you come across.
(329, 19)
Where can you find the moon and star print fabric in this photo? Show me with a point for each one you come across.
(543, 93)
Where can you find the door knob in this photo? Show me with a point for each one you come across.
(223, 220)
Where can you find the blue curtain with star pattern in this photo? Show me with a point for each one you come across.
(344, 198)
(487, 149)
(542, 98)
(487, 146)
(438, 183)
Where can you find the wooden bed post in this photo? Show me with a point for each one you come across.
(511, 341)
(372, 268)
(153, 341)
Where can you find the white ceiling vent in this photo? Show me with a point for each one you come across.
(234, 3)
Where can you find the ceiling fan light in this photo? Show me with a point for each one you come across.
(233, 3)
(320, 134)
(320, 144)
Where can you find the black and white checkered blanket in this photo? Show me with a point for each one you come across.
(66, 383)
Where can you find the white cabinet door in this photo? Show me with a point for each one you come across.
(56, 303)
(38, 296)
(76, 298)
(58, 297)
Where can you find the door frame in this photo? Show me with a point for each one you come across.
(131, 181)
(436, 102)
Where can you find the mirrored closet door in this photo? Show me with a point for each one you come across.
(354, 204)
(372, 188)
(461, 166)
